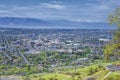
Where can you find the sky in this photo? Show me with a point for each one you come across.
(73, 10)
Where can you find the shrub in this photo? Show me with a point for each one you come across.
(53, 78)
(41, 79)
(92, 70)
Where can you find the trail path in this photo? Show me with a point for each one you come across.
(106, 75)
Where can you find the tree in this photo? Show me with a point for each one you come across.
(114, 45)
(110, 48)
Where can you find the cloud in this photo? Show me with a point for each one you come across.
(57, 2)
(2, 6)
(4, 11)
(92, 11)
(52, 5)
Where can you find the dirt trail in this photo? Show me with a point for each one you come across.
(106, 75)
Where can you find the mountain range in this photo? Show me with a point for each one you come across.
(39, 23)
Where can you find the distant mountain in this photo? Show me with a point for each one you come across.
(30, 22)
(21, 21)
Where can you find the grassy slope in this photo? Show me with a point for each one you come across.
(80, 74)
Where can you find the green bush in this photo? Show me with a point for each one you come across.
(41, 79)
(53, 78)
(92, 70)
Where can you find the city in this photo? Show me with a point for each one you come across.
(59, 39)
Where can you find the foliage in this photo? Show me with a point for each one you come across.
(114, 45)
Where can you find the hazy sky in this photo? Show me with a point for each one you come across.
(73, 10)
